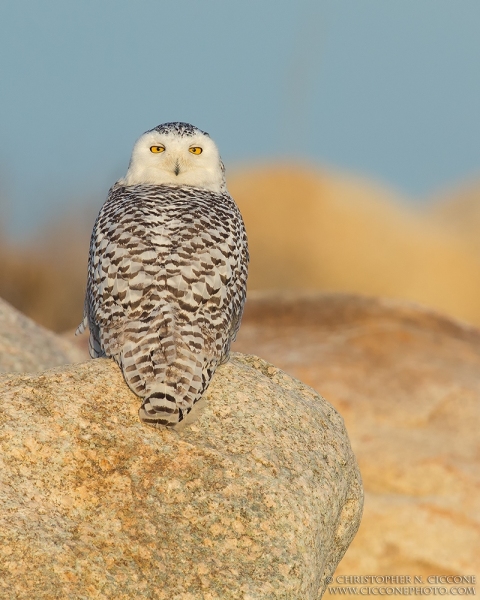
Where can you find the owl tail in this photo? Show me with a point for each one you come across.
(176, 421)
(167, 402)
(161, 410)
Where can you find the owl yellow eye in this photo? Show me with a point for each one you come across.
(155, 149)
(195, 150)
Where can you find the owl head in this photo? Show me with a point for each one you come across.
(176, 154)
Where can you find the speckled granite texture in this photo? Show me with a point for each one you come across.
(258, 499)
(407, 382)
(27, 347)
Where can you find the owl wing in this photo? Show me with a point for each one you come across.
(123, 267)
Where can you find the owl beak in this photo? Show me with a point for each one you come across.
(177, 168)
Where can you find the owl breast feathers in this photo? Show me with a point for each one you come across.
(167, 281)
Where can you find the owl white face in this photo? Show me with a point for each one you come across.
(170, 158)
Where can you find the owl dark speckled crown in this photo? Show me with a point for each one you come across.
(179, 128)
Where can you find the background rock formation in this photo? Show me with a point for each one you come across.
(458, 211)
(257, 499)
(314, 230)
(26, 346)
(407, 382)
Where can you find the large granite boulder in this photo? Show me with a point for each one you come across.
(26, 346)
(407, 382)
(257, 499)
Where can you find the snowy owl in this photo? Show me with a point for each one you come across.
(167, 272)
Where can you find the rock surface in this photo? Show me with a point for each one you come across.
(407, 382)
(258, 499)
(28, 347)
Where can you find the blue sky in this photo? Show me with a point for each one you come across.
(389, 89)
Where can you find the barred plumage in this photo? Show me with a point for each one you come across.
(167, 272)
